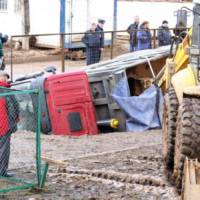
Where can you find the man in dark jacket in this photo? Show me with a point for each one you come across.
(100, 29)
(164, 34)
(92, 40)
(9, 115)
(3, 39)
(144, 37)
(133, 33)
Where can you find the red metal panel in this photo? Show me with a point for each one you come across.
(68, 94)
(69, 88)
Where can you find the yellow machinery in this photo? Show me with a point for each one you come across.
(178, 62)
(181, 115)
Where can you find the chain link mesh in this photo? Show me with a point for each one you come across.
(18, 138)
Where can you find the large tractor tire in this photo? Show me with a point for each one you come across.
(170, 113)
(187, 143)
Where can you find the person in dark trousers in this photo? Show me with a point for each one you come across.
(164, 34)
(9, 116)
(92, 40)
(100, 29)
(144, 36)
(133, 33)
(3, 39)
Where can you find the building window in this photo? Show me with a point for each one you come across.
(3, 5)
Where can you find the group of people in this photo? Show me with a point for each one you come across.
(141, 38)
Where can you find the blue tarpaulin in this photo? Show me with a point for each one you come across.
(143, 112)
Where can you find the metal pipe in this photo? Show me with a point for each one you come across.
(21, 82)
(63, 52)
(71, 18)
(150, 66)
(160, 74)
(38, 140)
(44, 175)
(186, 8)
(154, 38)
(78, 33)
(62, 16)
(11, 57)
(115, 17)
(112, 46)
(109, 123)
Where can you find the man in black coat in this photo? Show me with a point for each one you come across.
(133, 33)
(100, 29)
(92, 41)
(164, 34)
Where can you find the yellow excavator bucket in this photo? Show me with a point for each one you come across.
(179, 61)
(181, 58)
(191, 180)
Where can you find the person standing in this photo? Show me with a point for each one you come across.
(144, 36)
(164, 34)
(92, 41)
(9, 116)
(100, 29)
(132, 30)
(3, 39)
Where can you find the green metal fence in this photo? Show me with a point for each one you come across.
(20, 120)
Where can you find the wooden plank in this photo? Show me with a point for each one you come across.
(52, 161)
(192, 173)
(87, 156)
(197, 172)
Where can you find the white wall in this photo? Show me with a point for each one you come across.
(45, 18)
(102, 9)
(10, 21)
(153, 12)
(80, 15)
(86, 12)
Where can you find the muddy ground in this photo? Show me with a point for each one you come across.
(126, 166)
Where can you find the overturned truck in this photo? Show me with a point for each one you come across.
(125, 88)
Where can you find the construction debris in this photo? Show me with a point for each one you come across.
(75, 55)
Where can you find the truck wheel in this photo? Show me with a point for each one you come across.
(170, 112)
(187, 143)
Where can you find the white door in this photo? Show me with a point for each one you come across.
(80, 15)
